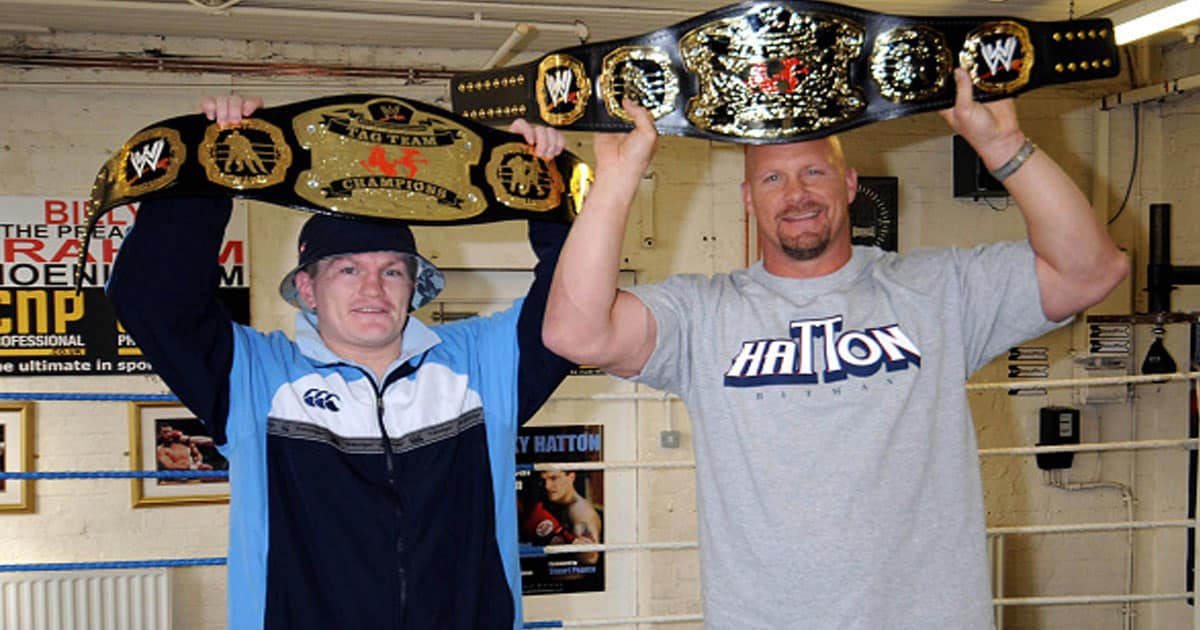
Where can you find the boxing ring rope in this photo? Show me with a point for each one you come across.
(1133, 379)
(87, 397)
(616, 621)
(1072, 528)
(570, 466)
(533, 551)
(1136, 445)
(113, 564)
(1089, 599)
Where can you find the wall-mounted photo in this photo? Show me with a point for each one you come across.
(16, 455)
(561, 507)
(167, 437)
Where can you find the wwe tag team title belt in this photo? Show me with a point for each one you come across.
(766, 72)
(363, 156)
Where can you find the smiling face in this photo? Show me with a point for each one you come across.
(799, 195)
(361, 302)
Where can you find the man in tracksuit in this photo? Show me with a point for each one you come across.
(371, 458)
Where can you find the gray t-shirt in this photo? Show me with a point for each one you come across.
(836, 464)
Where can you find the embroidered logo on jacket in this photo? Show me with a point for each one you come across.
(321, 399)
(817, 351)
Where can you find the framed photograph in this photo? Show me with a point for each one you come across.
(166, 436)
(16, 455)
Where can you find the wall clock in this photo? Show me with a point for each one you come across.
(873, 213)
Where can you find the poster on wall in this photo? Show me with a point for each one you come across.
(557, 507)
(49, 329)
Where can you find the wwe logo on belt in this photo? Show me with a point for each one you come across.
(393, 113)
(563, 89)
(558, 87)
(149, 161)
(147, 158)
(999, 56)
(1000, 53)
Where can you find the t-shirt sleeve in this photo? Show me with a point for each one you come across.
(672, 302)
(1001, 299)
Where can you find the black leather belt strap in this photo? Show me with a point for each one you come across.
(765, 72)
(359, 155)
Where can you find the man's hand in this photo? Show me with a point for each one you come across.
(547, 142)
(228, 111)
(628, 153)
(990, 128)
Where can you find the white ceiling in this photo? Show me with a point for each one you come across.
(456, 24)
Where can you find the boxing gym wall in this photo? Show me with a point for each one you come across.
(1056, 564)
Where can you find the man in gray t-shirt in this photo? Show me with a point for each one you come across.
(836, 465)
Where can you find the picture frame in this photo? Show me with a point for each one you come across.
(166, 436)
(16, 455)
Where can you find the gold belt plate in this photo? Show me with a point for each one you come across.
(149, 161)
(773, 73)
(385, 158)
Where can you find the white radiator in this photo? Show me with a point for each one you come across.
(123, 599)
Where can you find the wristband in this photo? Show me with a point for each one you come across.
(1014, 163)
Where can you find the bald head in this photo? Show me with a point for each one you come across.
(830, 146)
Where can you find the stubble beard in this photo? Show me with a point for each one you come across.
(806, 247)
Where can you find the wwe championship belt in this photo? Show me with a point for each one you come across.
(766, 72)
(360, 155)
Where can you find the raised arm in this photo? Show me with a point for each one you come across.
(588, 320)
(164, 289)
(1077, 262)
(540, 370)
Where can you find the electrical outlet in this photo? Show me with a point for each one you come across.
(1057, 425)
(669, 439)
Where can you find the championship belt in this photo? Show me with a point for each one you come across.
(767, 72)
(360, 155)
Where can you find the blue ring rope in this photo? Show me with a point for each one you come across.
(118, 474)
(91, 397)
(143, 564)
(118, 564)
(532, 551)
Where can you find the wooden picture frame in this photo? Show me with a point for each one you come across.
(166, 436)
(16, 455)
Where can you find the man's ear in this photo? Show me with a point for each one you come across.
(851, 185)
(304, 288)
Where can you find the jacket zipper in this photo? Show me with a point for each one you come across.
(401, 574)
(393, 481)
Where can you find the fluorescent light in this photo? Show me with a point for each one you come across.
(23, 28)
(1145, 18)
